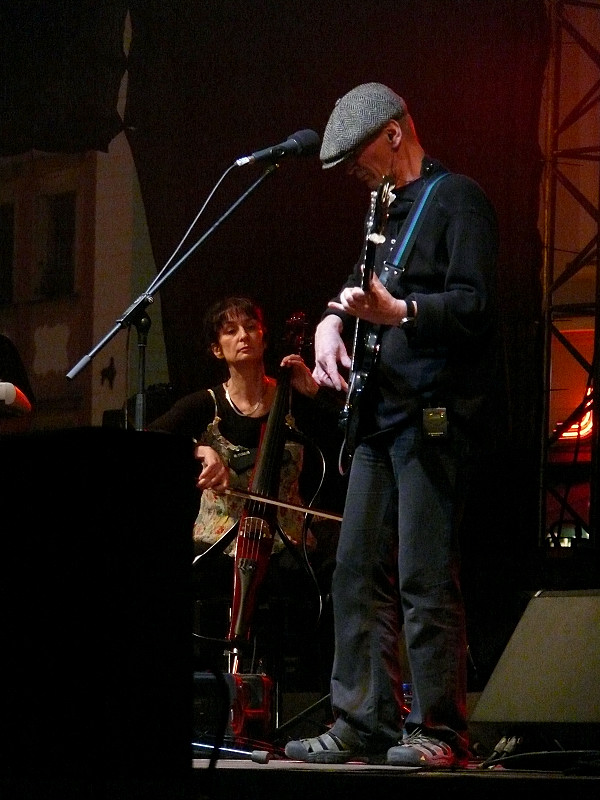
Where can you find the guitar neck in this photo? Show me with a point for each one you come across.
(365, 345)
(366, 266)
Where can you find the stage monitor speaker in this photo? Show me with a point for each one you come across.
(547, 680)
(95, 604)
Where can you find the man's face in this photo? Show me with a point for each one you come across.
(371, 161)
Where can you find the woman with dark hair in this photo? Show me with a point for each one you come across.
(227, 420)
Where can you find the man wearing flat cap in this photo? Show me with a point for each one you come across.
(418, 316)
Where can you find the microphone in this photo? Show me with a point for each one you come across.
(301, 143)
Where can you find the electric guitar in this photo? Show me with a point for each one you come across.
(366, 336)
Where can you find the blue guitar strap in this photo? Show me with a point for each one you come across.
(392, 267)
(395, 264)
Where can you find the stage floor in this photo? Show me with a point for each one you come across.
(248, 780)
(278, 778)
(244, 779)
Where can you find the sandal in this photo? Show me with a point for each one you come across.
(324, 749)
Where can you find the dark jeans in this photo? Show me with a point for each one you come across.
(398, 565)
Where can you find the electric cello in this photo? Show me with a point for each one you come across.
(258, 523)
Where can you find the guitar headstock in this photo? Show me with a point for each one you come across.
(383, 198)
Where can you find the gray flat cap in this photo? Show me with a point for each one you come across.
(356, 117)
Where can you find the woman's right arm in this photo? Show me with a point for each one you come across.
(214, 474)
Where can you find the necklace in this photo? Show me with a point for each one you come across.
(254, 408)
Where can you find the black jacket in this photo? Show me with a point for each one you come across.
(449, 358)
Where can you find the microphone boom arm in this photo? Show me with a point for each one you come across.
(136, 311)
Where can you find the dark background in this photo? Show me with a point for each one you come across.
(209, 82)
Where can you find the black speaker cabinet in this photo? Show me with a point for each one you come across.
(547, 680)
(95, 604)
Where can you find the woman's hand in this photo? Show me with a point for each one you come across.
(214, 474)
(302, 379)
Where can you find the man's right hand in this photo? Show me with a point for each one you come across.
(330, 351)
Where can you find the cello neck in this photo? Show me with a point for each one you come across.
(267, 471)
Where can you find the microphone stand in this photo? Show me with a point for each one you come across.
(136, 313)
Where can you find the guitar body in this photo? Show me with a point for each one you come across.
(366, 335)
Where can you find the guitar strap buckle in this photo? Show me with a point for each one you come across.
(435, 422)
(389, 272)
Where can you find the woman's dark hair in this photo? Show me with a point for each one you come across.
(229, 308)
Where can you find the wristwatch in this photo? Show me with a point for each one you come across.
(411, 312)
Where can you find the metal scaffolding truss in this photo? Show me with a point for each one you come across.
(571, 275)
